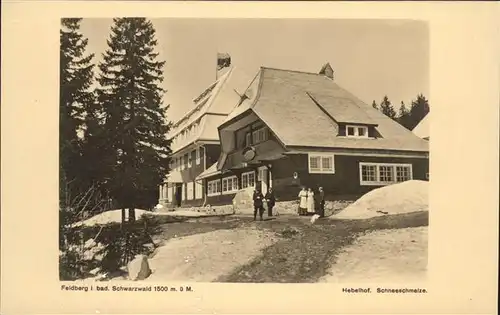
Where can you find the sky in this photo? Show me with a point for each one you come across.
(371, 58)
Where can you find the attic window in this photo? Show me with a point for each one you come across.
(356, 131)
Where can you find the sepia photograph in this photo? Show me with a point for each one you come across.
(249, 157)
(243, 150)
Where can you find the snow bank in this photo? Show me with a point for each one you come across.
(115, 216)
(184, 213)
(409, 196)
(111, 216)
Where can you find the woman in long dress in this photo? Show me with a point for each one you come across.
(310, 201)
(302, 201)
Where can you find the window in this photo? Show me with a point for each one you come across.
(213, 187)
(314, 163)
(197, 156)
(247, 139)
(369, 173)
(402, 173)
(198, 190)
(259, 135)
(190, 191)
(229, 184)
(357, 131)
(247, 180)
(379, 174)
(361, 132)
(185, 166)
(327, 164)
(169, 193)
(202, 156)
(321, 163)
(386, 173)
(190, 160)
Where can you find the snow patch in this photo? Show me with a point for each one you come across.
(115, 216)
(409, 196)
(112, 216)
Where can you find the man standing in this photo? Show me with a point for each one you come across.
(271, 201)
(258, 204)
(321, 202)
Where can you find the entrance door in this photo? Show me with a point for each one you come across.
(178, 194)
(262, 177)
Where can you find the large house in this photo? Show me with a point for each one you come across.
(294, 129)
(195, 141)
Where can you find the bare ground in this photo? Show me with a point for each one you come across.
(309, 255)
(289, 249)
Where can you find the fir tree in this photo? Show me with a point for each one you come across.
(135, 128)
(387, 109)
(75, 79)
(419, 109)
(404, 118)
(374, 104)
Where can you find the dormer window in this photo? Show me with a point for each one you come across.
(356, 131)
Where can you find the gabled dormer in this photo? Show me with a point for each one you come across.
(352, 121)
(358, 131)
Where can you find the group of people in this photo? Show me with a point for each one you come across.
(258, 203)
(309, 203)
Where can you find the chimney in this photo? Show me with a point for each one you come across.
(327, 71)
(223, 64)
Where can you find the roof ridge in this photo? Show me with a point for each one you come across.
(221, 81)
(214, 83)
(295, 71)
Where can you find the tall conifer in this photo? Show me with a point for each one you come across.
(387, 108)
(75, 78)
(135, 125)
(404, 118)
(418, 110)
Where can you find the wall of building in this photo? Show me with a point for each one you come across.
(188, 172)
(226, 198)
(193, 192)
(344, 184)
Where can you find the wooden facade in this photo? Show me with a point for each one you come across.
(188, 191)
(295, 129)
(288, 174)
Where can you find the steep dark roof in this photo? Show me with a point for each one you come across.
(288, 103)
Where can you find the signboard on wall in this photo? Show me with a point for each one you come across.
(249, 154)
